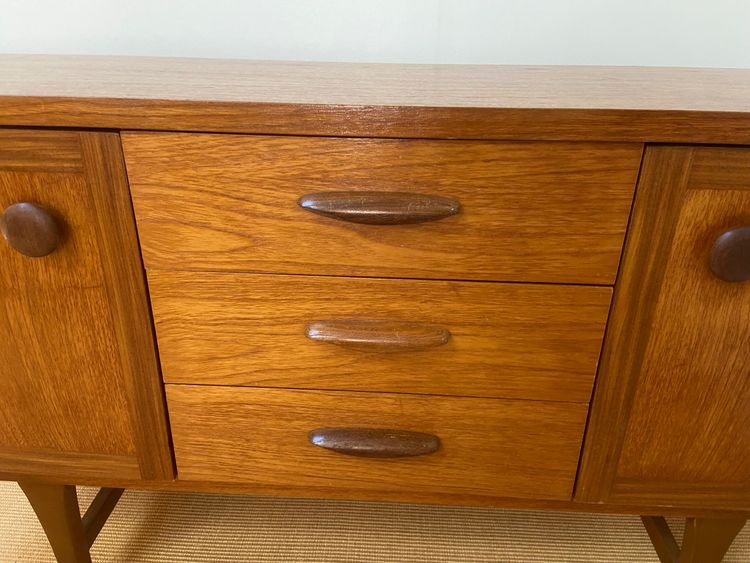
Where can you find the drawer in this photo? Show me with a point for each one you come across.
(487, 447)
(524, 211)
(480, 339)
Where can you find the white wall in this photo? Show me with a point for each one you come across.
(617, 32)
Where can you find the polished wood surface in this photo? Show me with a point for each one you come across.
(128, 303)
(507, 340)
(664, 174)
(413, 496)
(30, 229)
(37, 150)
(489, 447)
(73, 466)
(674, 368)
(720, 168)
(68, 365)
(293, 243)
(430, 101)
(375, 442)
(362, 84)
(546, 212)
(58, 336)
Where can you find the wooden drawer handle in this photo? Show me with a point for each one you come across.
(380, 208)
(375, 442)
(378, 335)
(730, 255)
(30, 229)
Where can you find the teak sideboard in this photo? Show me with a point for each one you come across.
(486, 285)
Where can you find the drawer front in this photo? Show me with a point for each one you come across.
(547, 212)
(488, 447)
(453, 338)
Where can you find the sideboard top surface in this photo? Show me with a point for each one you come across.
(389, 100)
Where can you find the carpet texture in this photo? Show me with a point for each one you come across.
(171, 527)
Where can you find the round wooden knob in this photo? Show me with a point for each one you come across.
(730, 255)
(30, 229)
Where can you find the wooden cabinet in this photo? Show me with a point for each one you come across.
(671, 415)
(398, 256)
(80, 391)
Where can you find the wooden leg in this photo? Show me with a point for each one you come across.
(661, 536)
(96, 516)
(706, 540)
(56, 506)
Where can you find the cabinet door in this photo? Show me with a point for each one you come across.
(670, 420)
(80, 392)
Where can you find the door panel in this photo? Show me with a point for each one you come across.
(80, 392)
(671, 414)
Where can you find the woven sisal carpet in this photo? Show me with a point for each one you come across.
(161, 527)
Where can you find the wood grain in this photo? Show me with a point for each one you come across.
(380, 100)
(663, 180)
(691, 417)
(507, 340)
(553, 212)
(488, 446)
(70, 466)
(40, 151)
(67, 377)
(681, 435)
(720, 168)
(128, 302)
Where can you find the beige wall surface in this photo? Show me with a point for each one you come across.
(610, 32)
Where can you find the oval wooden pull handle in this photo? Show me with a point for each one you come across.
(730, 255)
(375, 442)
(380, 208)
(378, 335)
(30, 229)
